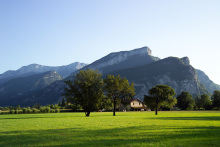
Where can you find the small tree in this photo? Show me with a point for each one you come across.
(59, 103)
(216, 99)
(18, 107)
(118, 90)
(63, 104)
(160, 95)
(85, 90)
(185, 101)
(34, 110)
(12, 111)
(37, 106)
(24, 110)
(47, 109)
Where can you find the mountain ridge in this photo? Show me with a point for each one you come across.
(173, 71)
(141, 55)
(31, 69)
(53, 92)
(13, 90)
(205, 80)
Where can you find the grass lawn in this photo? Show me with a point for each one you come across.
(102, 129)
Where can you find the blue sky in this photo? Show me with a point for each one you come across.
(53, 33)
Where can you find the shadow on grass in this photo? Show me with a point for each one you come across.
(126, 136)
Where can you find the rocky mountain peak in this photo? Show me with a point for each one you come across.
(139, 51)
(144, 51)
(185, 60)
(119, 57)
(79, 65)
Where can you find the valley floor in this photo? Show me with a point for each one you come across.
(182, 128)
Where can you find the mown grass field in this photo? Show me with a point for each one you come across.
(103, 129)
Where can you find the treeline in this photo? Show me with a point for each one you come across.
(185, 101)
(161, 97)
(34, 109)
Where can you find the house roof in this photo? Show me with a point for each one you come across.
(137, 100)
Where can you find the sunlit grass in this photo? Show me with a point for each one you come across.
(103, 129)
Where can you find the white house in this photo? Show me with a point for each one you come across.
(138, 105)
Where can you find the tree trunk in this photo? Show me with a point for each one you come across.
(114, 107)
(156, 109)
(87, 114)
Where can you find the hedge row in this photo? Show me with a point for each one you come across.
(34, 110)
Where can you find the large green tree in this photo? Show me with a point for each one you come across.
(185, 101)
(86, 90)
(205, 102)
(160, 95)
(216, 99)
(118, 90)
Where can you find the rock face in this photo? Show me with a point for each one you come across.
(170, 71)
(31, 69)
(185, 60)
(123, 59)
(66, 70)
(204, 79)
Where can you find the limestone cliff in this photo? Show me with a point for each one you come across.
(171, 71)
(123, 59)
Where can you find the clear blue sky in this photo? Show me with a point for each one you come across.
(52, 32)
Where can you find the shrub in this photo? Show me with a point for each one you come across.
(5, 109)
(47, 109)
(12, 111)
(57, 110)
(52, 111)
(16, 111)
(42, 109)
(24, 110)
(56, 107)
(29, 110)
(34, 110)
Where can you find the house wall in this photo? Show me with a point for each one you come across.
(136, 104)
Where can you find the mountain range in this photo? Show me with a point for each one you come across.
(13, 90)
(31, 69)
(138, 66)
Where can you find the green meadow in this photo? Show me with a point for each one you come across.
(184, 128)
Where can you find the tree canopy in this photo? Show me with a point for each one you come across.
(216, 99)
(118, 90)
(185, 101)
(86, 90)
(205, 102)
(160, 95)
